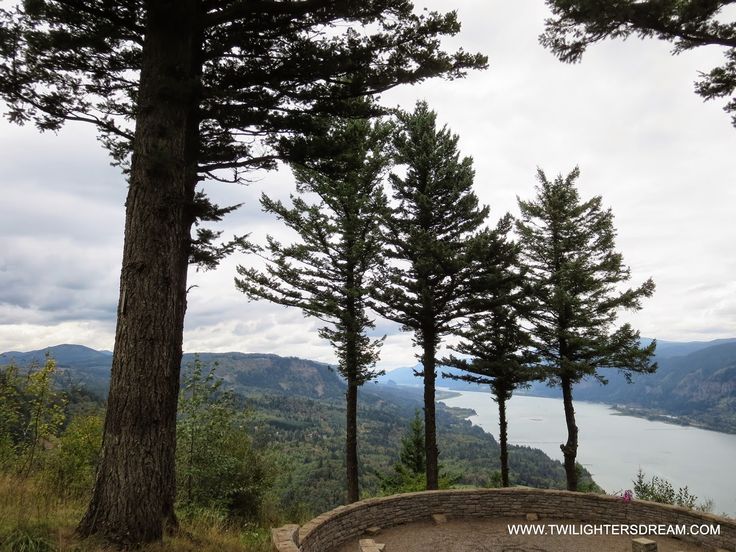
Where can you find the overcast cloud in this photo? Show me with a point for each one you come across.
(661, 158)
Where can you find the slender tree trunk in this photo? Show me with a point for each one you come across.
(430, 424)
(134, 492)
(351, 369)
(34, 442)
(502, 426)
(351, 446)
(570, 449)
(190, 475)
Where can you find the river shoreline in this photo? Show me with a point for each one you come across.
(614, 445)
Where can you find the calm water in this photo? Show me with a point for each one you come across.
(613, 447)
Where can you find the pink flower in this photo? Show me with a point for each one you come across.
(627, 496)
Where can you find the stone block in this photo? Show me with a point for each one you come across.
(369, 545)
(643, 545)
(439, 519)
(284, 538)
(532, 517)
(373, 530)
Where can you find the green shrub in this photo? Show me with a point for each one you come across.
(661, 490)
(217, 467)
(9, 416)
(70, 466)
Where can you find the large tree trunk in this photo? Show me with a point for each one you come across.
(502, 426)
(351, 446)
(570, 449)
(430, 425)
(134, 492)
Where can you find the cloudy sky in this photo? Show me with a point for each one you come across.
(662, 159)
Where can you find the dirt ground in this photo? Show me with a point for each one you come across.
(492, 535)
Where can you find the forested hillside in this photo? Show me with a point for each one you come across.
(80, 365)
(296, 412)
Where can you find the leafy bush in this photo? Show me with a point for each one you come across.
(217, 468)
(71, 464)
(32, 411)
(9, 415)
(661, 490)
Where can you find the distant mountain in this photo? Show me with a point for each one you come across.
(244, 372)
(407, 376)
(695, 383)
(65, 355)
(698, 388)
(247, 372)
(76, 363)
(669, 349)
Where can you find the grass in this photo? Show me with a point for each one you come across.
(34, 520)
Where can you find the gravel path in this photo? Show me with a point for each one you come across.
(492, 536)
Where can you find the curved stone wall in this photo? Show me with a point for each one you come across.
(333, 528)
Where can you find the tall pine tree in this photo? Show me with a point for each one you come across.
(182, 90)
(496, 345)
(327, 273)
(576, 276)
(430, 232)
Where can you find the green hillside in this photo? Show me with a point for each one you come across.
(297, 413)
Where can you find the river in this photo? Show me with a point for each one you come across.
(613, 446)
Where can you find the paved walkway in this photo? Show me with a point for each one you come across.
(492, 536)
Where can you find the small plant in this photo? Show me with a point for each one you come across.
(70, 466)
(24, 540)
(9, 415)
(660, 490)
(46, 413)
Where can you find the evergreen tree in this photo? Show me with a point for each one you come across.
(412, 447)
(575, 274)
(327, 273)
(429, 233)
(409, 473)
(689, 24)
(180, 92)
(497, 345)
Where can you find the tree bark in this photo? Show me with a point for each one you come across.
(351, 446)
(502, 426)
(430, 424)
(570, 449)
(135, 487)
(351, 369)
